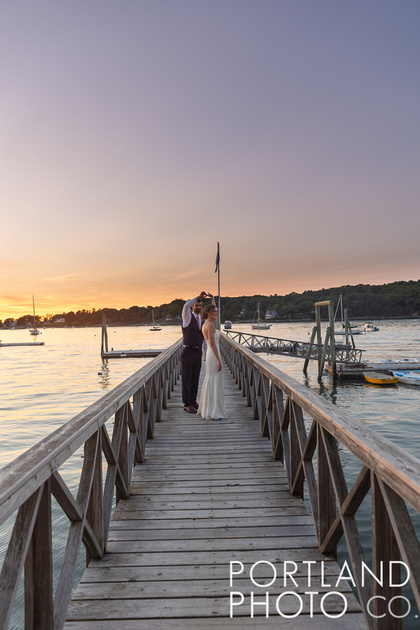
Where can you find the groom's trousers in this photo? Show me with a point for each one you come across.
(190, 367)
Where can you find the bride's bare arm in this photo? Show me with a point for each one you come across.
(213, 346)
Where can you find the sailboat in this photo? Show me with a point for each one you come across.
(351, 330)
(154, 327)
(34, 330)
(259, 325)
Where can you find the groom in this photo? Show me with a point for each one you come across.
(192, 343)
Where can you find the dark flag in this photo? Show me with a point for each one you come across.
(217, 259)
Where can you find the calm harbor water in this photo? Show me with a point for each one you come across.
(43, 387)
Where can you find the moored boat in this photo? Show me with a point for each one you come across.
(354, 331)
(34, 330)
(380, 378)
(408, 377)
(370, 327)
(155, 327)
(259, 324)
(347, 328)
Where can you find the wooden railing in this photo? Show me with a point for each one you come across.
(306, 432)
(28, 484)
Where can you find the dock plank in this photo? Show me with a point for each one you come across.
(207, 494)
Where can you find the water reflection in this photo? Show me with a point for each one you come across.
(327, 391)
(105, 380)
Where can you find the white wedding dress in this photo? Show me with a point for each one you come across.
(212, 404)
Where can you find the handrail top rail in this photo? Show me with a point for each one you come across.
(25, 474)
(397, 467)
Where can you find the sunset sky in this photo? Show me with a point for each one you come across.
(137, 133)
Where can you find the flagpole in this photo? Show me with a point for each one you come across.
(218, 290)
(218, 282)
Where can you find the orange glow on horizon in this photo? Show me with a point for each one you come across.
(15, 306)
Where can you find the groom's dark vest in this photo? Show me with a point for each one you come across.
(192, 335)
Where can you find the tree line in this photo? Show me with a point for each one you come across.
(363, 301)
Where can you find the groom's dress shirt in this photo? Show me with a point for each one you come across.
(187, 316)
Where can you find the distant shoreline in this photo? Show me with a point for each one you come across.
(178, 323)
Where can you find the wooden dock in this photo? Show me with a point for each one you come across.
(193, 496)
(142, 353)
(25, 343)
(148, 353)
(348, 360)
(207, 493)
(357, 370)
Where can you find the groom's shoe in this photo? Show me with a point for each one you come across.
(195, 405)
(190, 409)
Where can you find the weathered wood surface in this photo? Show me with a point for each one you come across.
(207, 493)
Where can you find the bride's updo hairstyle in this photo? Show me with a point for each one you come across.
(207, 310)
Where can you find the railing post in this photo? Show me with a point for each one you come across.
(384, 551)
(94, 512)
(278, 411)
(123, 452)
(326, 496)
(265, 392)
(39, 609)
(296, 477)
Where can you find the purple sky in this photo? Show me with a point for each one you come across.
(136, 134)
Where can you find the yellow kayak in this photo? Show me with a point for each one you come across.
(380, 378)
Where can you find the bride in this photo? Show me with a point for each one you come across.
(212, 404)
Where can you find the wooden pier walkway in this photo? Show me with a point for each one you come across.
(193, 496)
(208, 492)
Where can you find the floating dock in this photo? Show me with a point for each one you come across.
(356, 370)
(148, 353)
(136, 354)
(26, 343)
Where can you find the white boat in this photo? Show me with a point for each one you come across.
(370, 327)
(351, 330)
(354, 331)
(227, 325)
(407, 377)
(154, 327)
(34, 330)
(259, 325)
